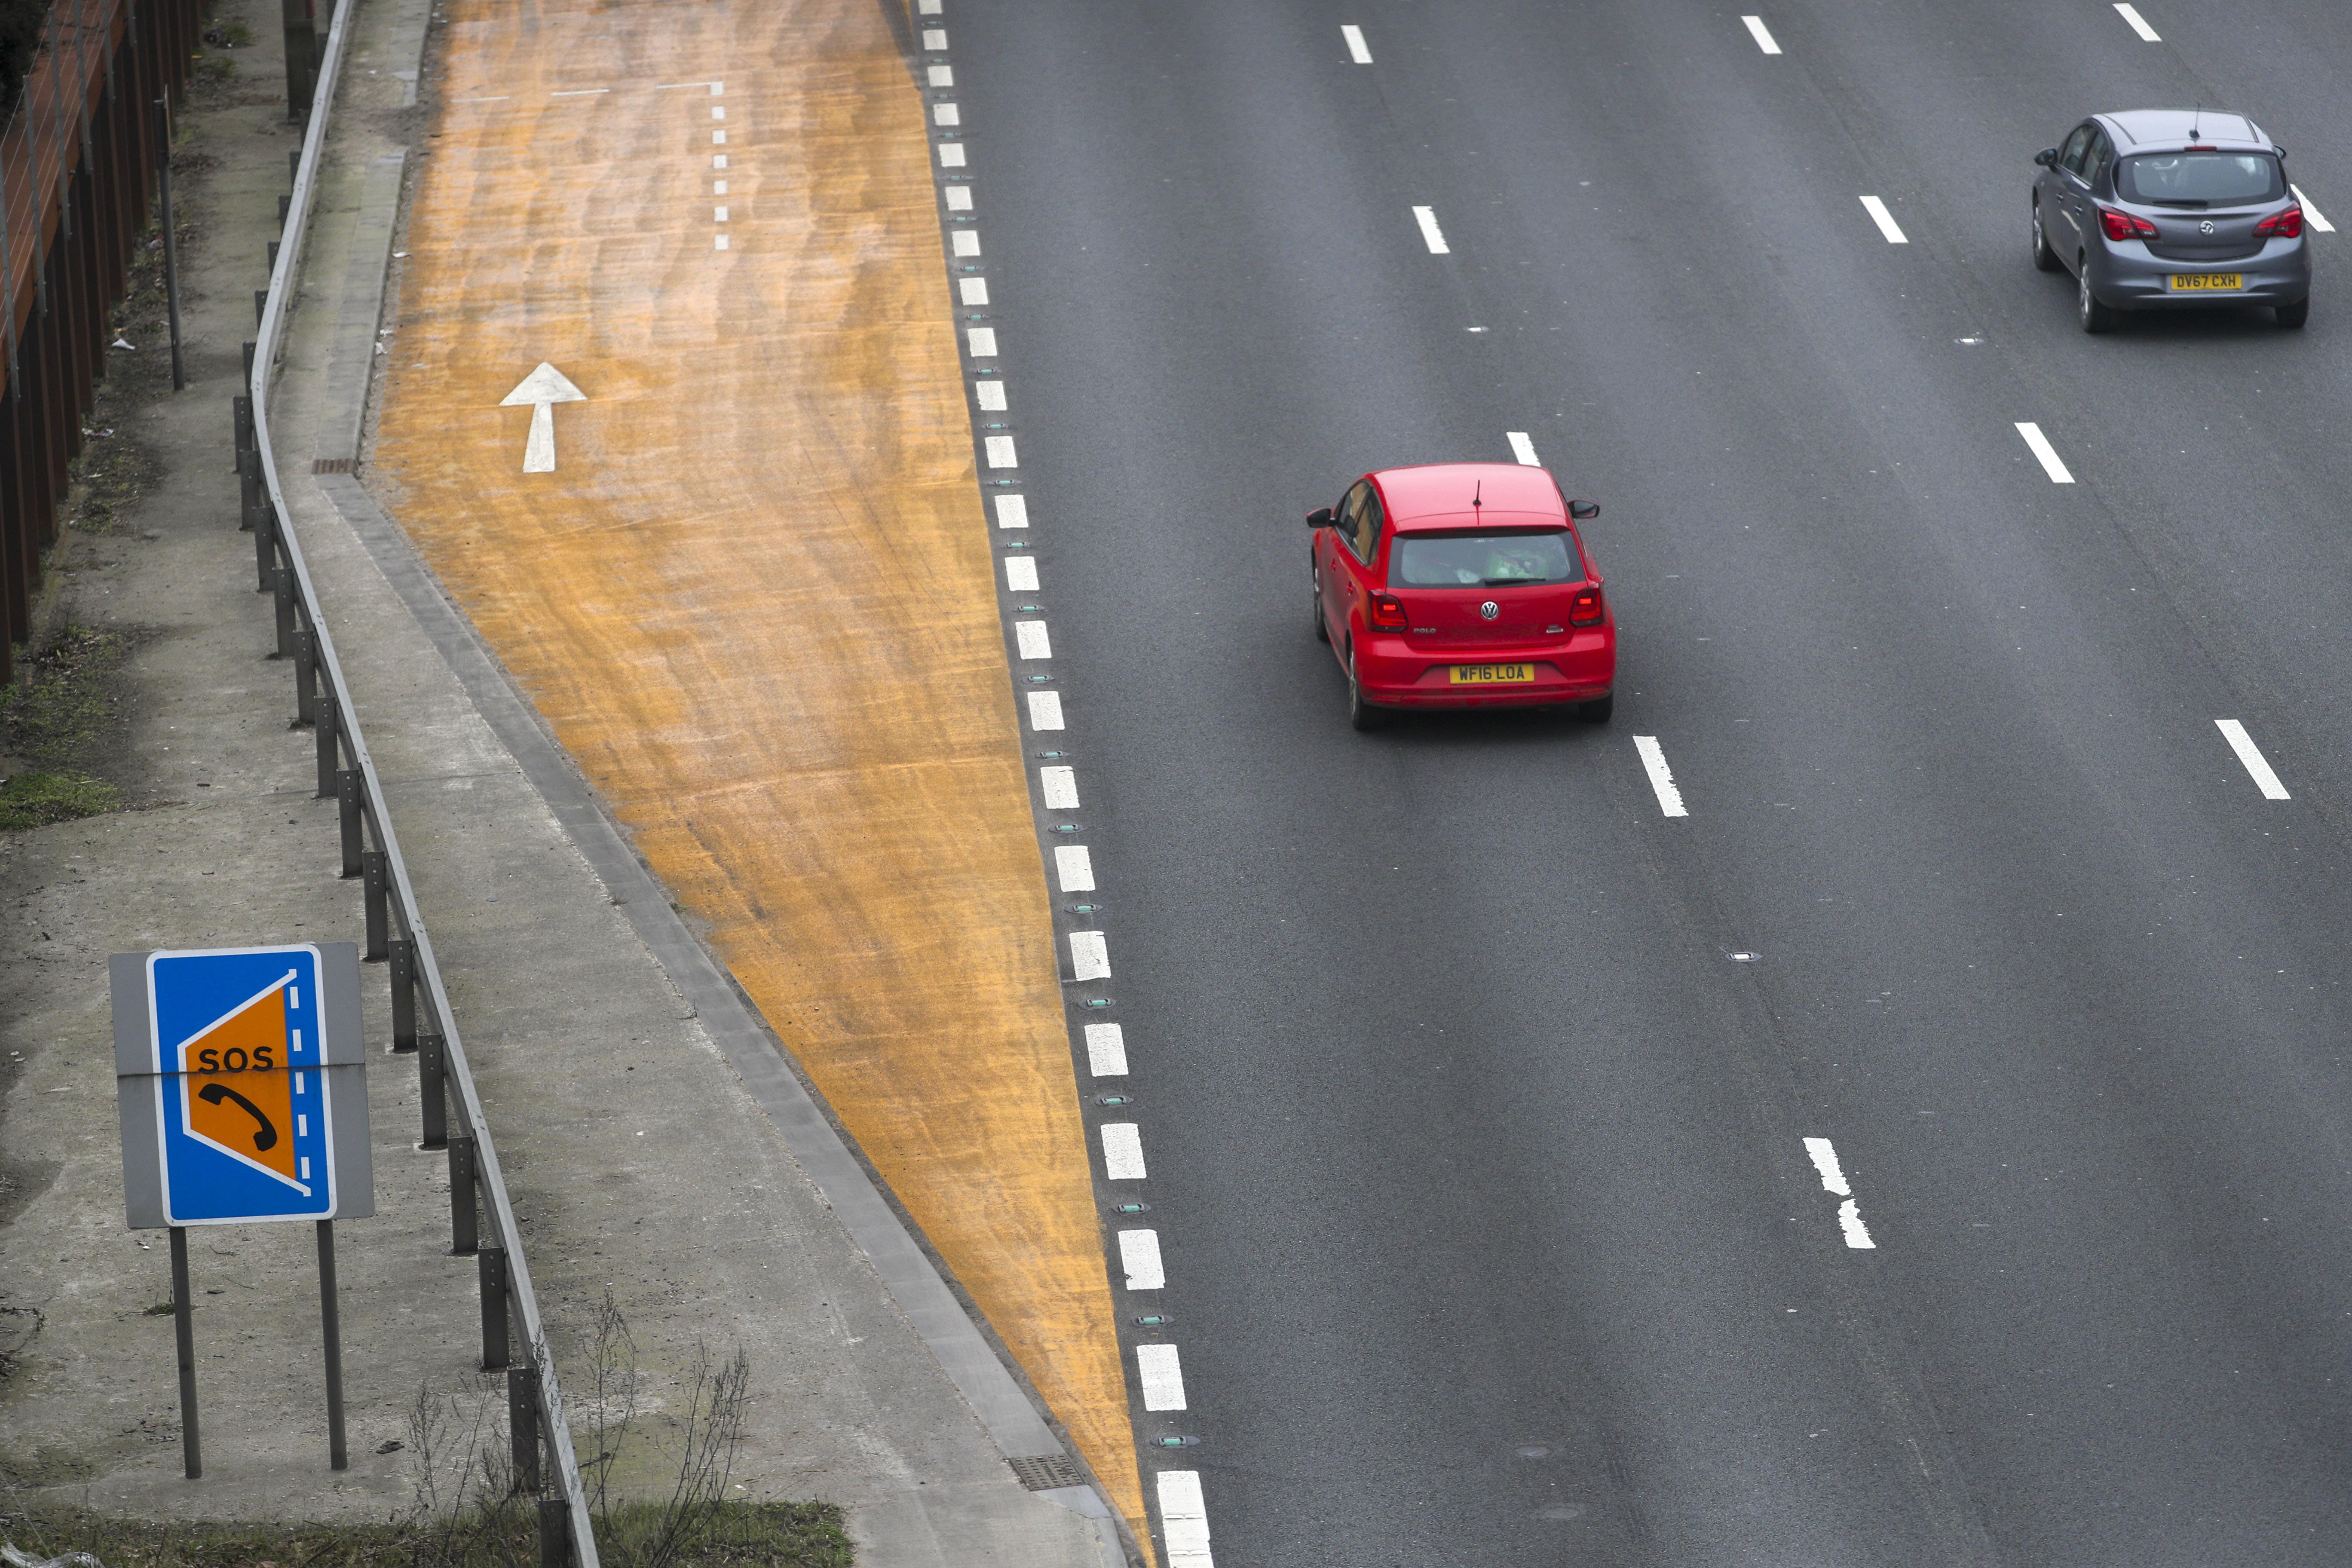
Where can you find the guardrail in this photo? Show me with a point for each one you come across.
(422, 1019)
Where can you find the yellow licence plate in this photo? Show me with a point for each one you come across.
(1492, 674)
(2201, 281)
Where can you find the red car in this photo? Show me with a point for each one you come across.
(1462, 585)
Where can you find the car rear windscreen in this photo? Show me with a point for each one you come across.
(2199, 179)
(1482, 559)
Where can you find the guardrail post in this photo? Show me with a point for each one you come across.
(306, 672)
(554, 1533)
(464, 1232)
(492, 1267)
(523, 1423)
(433, 1091)
(248, 479)
(347, 802)
(240, 409)
(402, 954)
(330, 718)
(263, 519)
(379, 905)
(282, 584)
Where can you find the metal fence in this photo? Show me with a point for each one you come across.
(422, 1019)
(79, 162)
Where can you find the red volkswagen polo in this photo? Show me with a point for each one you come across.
(1462, 585)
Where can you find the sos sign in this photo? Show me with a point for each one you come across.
(241, 1089)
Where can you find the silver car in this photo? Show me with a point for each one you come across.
(2164, 207)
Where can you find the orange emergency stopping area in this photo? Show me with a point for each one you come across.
(746, 577)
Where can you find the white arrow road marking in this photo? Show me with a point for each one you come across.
(542, 389)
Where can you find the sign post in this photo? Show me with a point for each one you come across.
(241, 1078)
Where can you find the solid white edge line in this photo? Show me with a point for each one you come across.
(2138, 25)
(1074, 868)
(1122, 1146)
(1161, 1373)
(1138, 1254)
(1105, 1050)
(1430, 233)
(1884, 220)
(1761, 33)
(2052, 464)
(1823, 1155)
(2311, 213)
(1662, 777)
(1522, 449)
(1358, 50)
(2251, 757)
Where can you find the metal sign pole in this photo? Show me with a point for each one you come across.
(330, 1318)
(183, 1325)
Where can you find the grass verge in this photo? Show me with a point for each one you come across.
(730, 1535)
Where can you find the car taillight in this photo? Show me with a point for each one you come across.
(1586, 609)
(2123, 225)
(1388, 613)
(2287, 224)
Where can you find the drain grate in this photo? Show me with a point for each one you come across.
(1044, 1473)
(335, 466)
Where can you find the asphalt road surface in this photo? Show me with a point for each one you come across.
(1476, 1089)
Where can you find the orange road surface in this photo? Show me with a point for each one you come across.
(753, 592)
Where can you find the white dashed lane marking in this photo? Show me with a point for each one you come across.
(1105, 1050)
(1662, 777)
(1139, 1253)
(1000, 452)
(1074, 868)
(1044, 708)
(1030, 638)
(1523, 450)
(2252, 755)
(959, 198)
(1427, 218)
(1761, 33)
(966, 242)
(2051, 462)
(2311, 213)
(2130, 14)
(1089, 955)
(1013, 512)
(935, 38)
(1358, 50)
(946, 114)
(1161, 1373)
(1884, 220)
(951, 155)
(1184, 1520)
(973, 290)
(1021, 576)
(1122, 1152)
(1060, 788)
(1825, 1161)
(983, 343)
(942, 76)
(989, 395)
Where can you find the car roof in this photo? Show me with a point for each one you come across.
(2140, 130)
(1438, 495)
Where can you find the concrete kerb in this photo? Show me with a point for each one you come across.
(975, 1367)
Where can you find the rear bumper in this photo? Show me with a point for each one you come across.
(2127, 275)
(1393, 674)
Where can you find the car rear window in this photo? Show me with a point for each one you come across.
(1483, 560)
(2199, 179)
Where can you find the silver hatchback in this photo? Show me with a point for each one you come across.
(2165, 207)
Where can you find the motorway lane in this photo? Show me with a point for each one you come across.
(1950, 752)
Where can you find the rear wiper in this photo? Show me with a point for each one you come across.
(2192, 206)
(1506, 582)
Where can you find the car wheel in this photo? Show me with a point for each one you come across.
(2294, 315)
(1362, 714)
(1322, 626)
(1597, 712)
(2043, 257)
(2093, 316)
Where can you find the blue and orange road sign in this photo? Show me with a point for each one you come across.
(241, 1080)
